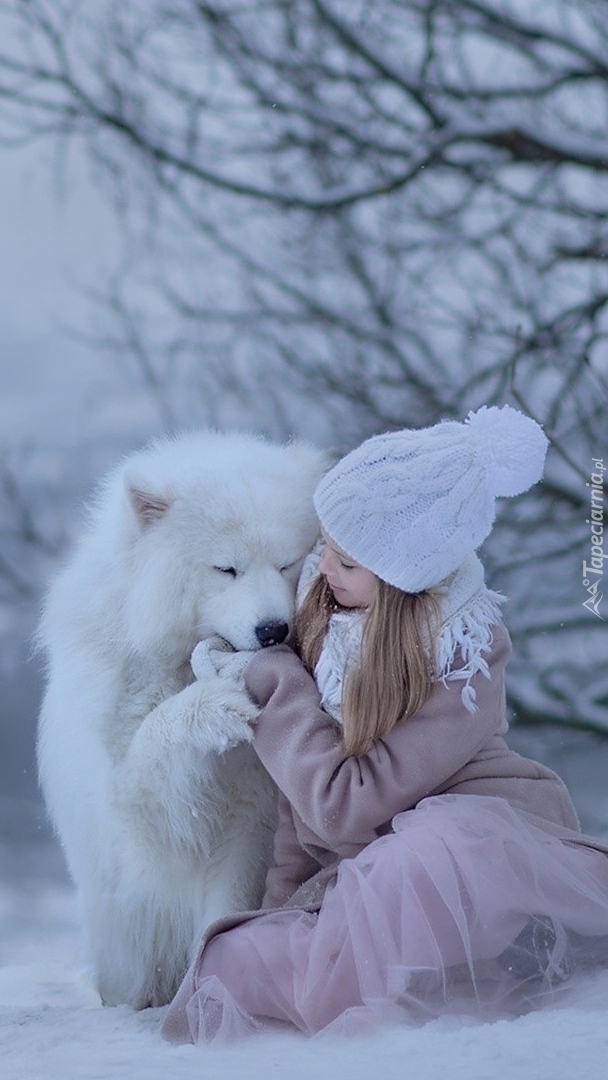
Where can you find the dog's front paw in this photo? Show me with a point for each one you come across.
(231, 720)
(225, 716)
(210, 715)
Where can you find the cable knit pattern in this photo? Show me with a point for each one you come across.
(411, 505)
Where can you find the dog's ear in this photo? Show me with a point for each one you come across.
(148, 507)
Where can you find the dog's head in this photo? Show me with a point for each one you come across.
(216, 528)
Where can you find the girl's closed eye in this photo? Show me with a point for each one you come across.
(351, 584)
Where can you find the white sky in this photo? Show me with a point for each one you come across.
(48, 243)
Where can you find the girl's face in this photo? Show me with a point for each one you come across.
(352, 585)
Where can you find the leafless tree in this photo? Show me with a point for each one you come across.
(32, 535)
(342, 216)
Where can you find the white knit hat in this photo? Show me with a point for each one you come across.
(411, 505)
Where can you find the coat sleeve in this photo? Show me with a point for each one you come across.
(345, 800)
(292, 864)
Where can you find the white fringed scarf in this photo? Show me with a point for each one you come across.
(468, 611)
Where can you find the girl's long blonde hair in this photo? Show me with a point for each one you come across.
(395, 674)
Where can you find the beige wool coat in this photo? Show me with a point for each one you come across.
(331, 807)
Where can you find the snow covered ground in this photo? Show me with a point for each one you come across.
(52, 1026)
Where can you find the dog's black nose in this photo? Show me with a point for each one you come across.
(271, 633)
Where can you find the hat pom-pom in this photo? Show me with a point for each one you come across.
(509, 446)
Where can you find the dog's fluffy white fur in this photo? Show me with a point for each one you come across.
(164, 812)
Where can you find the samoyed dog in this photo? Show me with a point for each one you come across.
(165, 815)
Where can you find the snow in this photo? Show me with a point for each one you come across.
(53, 1026)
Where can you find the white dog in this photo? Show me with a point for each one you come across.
(164, 813)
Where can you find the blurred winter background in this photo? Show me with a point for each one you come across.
(321, 218)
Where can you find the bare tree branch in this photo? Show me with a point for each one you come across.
(341, 216)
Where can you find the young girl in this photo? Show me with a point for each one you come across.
(421, 867)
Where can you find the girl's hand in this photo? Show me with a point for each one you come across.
(214, 657)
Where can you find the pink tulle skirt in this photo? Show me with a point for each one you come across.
(466, 908)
